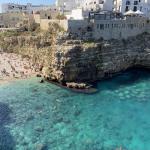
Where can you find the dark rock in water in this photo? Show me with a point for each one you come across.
(34, 90)
(38, 75)
(24, 143)
(49, 92)
(34, 140)
(77, 112)
(42, 81)
(39, 108)
(58, 120)
(67, 121)
(41, 147)
(39, 129)
(29, 118)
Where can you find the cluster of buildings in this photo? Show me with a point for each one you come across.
(121, 6)
(84, 19)
(28, 8)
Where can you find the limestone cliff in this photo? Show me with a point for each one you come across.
(85, 61)
(80, 61)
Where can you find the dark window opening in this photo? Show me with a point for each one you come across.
(89, 29)
(135, 2)
(127, 2)
(101, 26)
(135, 8)
(140, 8)
(127, 9)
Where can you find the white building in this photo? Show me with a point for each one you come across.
(68, 5)
(29, 8)
(98, 5)
(76, 14)
(65, 5)
(134, 5)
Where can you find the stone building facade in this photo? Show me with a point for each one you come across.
(119, 29)
(106, 29)
(98, 5)
(28, 8)
(11, 20)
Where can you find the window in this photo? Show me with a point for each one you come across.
(97, 26)
(127, 8)
(89, 29)
(101, 26)
(135, 2)
(131, 26)
(127, 2)
(135, 8)
(140, 8)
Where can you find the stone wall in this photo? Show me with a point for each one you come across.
(44, 23)
(37, 18)
(12, 20)
(106, 29)
(119, 29)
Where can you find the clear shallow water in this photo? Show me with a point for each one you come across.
(36, 116)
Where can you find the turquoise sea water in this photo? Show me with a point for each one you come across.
(36, 116)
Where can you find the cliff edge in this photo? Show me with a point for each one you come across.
(64, 60)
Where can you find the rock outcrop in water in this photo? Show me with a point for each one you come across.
(87, 62)
(66, 60)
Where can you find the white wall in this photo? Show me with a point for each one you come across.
(143, 5)
(76, 14)
(98, 5)
(66, 5)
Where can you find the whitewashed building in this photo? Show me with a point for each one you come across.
(77, 14)
(134, 5)
(98, 5)
(68, 5)
(65, 5)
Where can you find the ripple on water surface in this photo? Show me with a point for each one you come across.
(36, 116)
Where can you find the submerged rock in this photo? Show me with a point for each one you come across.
(39, 129)
(77, 112)
(42, 81)
(41, 147)
(38, 75)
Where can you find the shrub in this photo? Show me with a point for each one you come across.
(61, 17)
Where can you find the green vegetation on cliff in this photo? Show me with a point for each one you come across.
(35, 44)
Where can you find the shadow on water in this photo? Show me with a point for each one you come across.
(124, 79)
(6, 140)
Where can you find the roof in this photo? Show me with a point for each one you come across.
(130, 12)
(138, 12)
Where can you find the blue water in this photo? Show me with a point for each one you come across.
(36, 116)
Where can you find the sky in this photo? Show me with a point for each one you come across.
(27, 1)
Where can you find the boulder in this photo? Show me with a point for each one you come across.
(76, 85)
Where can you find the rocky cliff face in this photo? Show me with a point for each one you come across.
(79, 61)
(86, 62)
